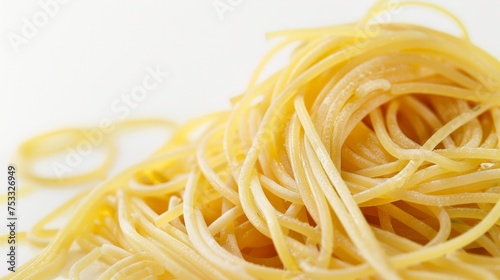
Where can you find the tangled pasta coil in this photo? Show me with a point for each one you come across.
(365, 156)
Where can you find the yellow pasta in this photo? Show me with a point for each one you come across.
(371, 154)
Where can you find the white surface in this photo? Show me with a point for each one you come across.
(89, 53)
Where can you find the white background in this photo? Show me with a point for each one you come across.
(89, 53)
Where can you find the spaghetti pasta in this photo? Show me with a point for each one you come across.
(368, 155)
